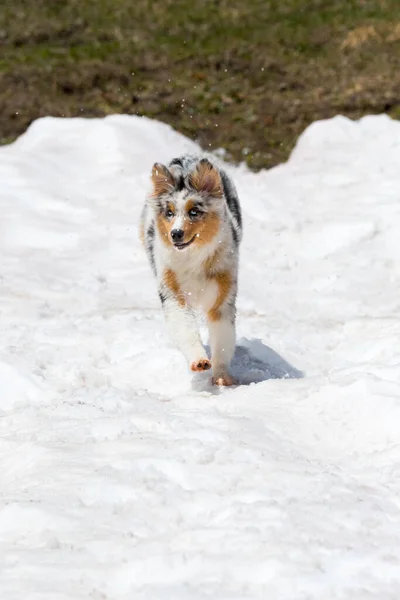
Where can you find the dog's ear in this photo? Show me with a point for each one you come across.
(206, 179)
(163, 181)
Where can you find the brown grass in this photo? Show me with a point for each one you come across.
(247, 76)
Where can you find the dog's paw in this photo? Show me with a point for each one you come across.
(201, 365)
(224, 380)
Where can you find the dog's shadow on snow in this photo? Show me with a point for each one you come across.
(253, 362)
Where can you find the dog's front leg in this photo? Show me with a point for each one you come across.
(221, 326)
(183, 330)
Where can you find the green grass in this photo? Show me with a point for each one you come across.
(253, 73)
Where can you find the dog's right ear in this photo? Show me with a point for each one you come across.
(162, 179)
(206, 179)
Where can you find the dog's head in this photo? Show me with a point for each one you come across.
(188, 210)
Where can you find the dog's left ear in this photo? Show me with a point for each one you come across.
(206, 179)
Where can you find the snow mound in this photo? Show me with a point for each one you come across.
(121, 476)
(18, 389)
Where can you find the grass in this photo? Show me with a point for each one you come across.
(245, 75)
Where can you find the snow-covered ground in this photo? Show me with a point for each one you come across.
(120, 477)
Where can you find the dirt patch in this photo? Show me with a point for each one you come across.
(248, 77)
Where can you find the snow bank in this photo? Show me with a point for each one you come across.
(122, 478)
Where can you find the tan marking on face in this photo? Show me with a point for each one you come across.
(171, 207)
(172, 283)
(204, 230)
(224, 282)
(165, 226)
(163, 181)
(190, 204)
(206, 179)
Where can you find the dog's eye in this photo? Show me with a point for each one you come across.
(169, 214)
(194, 212)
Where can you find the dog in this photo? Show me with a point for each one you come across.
(191, 228)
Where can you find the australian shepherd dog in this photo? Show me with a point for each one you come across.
(191, 227)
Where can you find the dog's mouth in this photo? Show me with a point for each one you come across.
(182, 245)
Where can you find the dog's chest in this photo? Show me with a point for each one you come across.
(199, 291)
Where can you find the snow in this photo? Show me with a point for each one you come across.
(122, 478)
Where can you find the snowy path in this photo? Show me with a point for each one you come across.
(120, 477)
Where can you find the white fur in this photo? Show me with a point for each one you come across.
(222, 343)
(179, 222)
(182, 327)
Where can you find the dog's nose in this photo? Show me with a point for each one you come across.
(177, 235)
